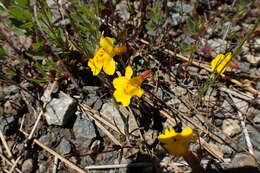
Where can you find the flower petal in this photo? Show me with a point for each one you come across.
(120, 96)
(128, 72)
(107, 43)
(220, 62)
(120, 83)
(225, 62)
(139, 92)
(95, 67)
(176, 143)
(216, 62)
(109, 66)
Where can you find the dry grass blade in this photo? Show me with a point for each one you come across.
(41, 113)
(14, 165)
(237, 94)
(9, 163)
(116, 166)
(5, 145)
(55, 164)
(214, 151)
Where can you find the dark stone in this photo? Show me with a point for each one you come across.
(8, 125)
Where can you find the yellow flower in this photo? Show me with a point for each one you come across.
(220, 62)
(103, 57)
(127, 87)
(177, 143)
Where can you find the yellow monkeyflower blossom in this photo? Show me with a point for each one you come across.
(177, 143)
(220, 62)
(103, 57)
(127, 87)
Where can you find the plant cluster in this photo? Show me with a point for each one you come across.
(74, 38)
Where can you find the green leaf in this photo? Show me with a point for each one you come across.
(2, 7)
(22, 2)
(2, 51)
(37, 46)
(28, 25)
(36, 55)
(20, 14)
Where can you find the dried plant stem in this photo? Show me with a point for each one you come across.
(55, 164)
(5, 145)
(14, 165)
(9, 163)
(41, 113)
(118, 166)
(237, 94)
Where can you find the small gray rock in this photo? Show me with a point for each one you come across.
(179, 12)
(211, 92)
(218, 45)
(47, 92)
(241, 104)
(42, 168)
(84, 128)
(231, 127)
(8, 125)
(179, 91)
(110, 112)
(64, 147)
(60, 110)
(12, 89)
(218, 122)
(180, 7)
(84, 131)
(98, 104)
(27, 166)
(150, 136)
(122, 10)
(2, 94)
(176, 19)
(49, 139)
(226, 150)
(257, 119)
(91, 99)
(86, 161)
(242, 160)
(193, 70)
(254, 135)
(225, 105)
(182, 108)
